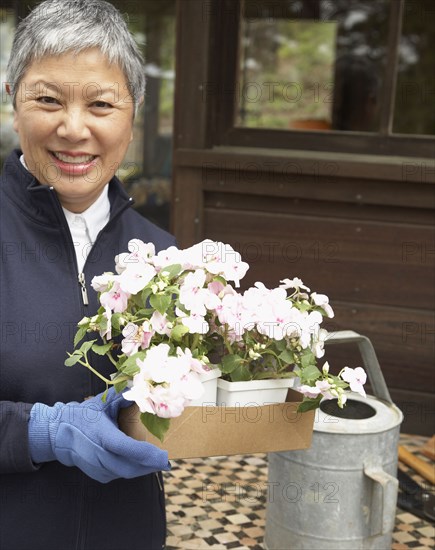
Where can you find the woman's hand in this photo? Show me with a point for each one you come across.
(86, 435)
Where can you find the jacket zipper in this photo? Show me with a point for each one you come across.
(158, 481)
(81, 535)
(82, 283)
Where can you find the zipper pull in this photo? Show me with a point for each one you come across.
(158, 481)
(82, 284)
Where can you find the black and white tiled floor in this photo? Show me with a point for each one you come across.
(219, 504)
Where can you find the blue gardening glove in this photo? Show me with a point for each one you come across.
(86, 435)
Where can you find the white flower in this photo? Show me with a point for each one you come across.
(194, 322)
(135, 277)
(101, 283)
(222, 259)
(139, 253)
(322, 301)
(140, 393)
(192, 292)
(293, 283)
(170, 256)
(356, 378)
(189, 386)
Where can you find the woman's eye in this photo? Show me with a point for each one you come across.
(47, 100)
(102, 104)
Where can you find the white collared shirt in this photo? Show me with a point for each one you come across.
(84, 227)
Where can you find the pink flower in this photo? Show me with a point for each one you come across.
(136, 337)
(167, 402)
(160, 324)
(322, 387)
(116, 299)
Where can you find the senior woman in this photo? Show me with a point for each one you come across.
(69, 477)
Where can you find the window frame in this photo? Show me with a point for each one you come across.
(220, 95)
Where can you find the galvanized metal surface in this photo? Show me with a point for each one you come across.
(342, 492)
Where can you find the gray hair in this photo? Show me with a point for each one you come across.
(56, 27)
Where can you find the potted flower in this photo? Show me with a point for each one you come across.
(166, 317)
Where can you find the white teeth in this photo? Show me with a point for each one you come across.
(74, 160)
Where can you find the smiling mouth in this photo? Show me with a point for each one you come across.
(77, 159)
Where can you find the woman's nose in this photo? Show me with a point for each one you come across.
(73, 126)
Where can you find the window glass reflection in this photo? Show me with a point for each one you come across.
(414, 106)
(312, 64)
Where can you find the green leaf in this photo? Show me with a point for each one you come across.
(172, 270)
(287, 357)
(73, 359)
(120, 386)
(310, 403)
(114, 320)
(280, 345)
(308, 359)
(240, 374)
(155, 425)
(144, 295)
(220, 279)
(130, 367)
(80, 334)
(104, 396)
(310, 373)
(86, 346)
(264, 375)
(160, 302)
(178, 332)
(101, 350)
(229, 363)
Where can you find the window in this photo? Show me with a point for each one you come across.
(326, 75)
(414, 106)
(319, 68)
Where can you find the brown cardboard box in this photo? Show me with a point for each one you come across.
(216, 431)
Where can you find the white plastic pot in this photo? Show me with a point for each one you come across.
(252, 392)
(209, 381)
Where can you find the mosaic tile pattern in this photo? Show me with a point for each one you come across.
(219, 503)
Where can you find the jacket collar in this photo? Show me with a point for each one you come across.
(40, 202)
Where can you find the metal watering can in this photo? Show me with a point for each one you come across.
(341, 493)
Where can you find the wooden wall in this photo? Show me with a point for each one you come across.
(357, 227)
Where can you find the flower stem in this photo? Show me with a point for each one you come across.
(88, 366)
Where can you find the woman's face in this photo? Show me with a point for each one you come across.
(74, 118)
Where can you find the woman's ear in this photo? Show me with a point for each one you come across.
(8, 88)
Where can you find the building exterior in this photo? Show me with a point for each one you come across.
(303, 134)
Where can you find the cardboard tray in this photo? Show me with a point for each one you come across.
(216, 431)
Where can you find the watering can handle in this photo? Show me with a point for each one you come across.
(384, 497)
(369, 358)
